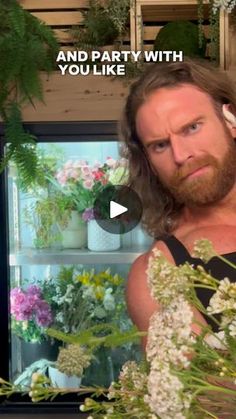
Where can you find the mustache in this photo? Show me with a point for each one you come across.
(192, 166)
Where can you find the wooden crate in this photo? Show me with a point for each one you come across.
(61, 15)
(72, 98)
(230, 49)
(147, 17)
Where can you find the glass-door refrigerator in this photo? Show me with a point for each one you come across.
(59, 269)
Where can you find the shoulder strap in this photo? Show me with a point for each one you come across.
(179, 252)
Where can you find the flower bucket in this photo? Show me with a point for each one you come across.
(100, 240)
(31, 352)
(60, 379)
(74, 236)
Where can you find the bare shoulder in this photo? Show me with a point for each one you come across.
(139, 301)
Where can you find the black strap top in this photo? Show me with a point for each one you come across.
(216, 267)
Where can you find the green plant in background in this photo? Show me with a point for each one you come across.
(44, 214)
(214, 18)
(98, 28)
(118, 11)
(200, 13)
(180, 36)
(83, 299)
(27, 46)
(80, 298)
(104, 23)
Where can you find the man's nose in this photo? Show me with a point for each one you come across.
(181, 149)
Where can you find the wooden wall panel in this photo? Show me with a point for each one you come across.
(60, 18)
(54, 4)
(78, 98)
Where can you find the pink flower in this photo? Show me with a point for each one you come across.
(80, 163)
(111, 162)
(61, 177)
(43, 314)
(29, 305)
(68, 164)
(74, 174)
(88, 184)
(85, 171)
(97, 165)
(104, 181)
(88, 214)
(98, 174)
(34, 290)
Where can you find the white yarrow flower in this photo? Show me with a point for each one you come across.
(224, 298)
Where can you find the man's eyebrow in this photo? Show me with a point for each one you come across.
(182, 128)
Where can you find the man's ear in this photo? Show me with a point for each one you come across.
(230, 119)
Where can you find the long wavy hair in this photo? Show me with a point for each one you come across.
(160, 210)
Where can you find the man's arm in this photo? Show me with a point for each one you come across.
(139, 301)
(140, 304)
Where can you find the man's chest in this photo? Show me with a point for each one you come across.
(223, 237)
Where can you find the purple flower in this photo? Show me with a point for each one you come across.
(19, 305)
(34, 290)
(28, 304)
(88, 214)
(43, 314)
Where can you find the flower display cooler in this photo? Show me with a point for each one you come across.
(58, 271)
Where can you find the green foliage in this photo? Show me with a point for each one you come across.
(44, 214)
(102, 24)
(27, 47)
(180, 36)
(20, 147)
(118, 11)
(108, 335)
(214, 33)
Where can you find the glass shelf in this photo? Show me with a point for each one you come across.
(31, 256)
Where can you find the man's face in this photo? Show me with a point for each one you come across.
(189, 148)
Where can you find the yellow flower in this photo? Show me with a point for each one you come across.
(25, 325)
(99, 292)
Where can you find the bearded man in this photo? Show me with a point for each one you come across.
(179, 129)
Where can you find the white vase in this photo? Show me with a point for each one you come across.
(100, 240)
(61, 380)
(74, 235)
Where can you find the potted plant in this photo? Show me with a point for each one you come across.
(31, 315)
(81, 299)
(69, 367)
(99, 176)
(76, 186)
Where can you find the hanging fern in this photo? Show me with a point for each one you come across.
(21, 147)
(28, 47)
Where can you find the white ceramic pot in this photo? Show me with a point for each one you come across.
(100, 240)
(61, 380)
(74, 236)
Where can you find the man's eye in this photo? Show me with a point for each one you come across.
(160, 146)
(193, 128)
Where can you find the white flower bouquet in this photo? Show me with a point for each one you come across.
(186, 374)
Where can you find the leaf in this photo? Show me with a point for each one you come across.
(90, 337)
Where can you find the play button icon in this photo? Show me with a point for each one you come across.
(117, 209)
